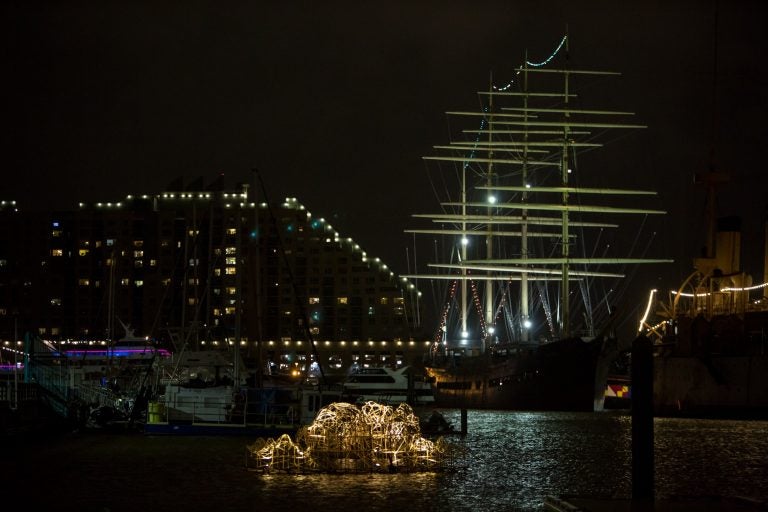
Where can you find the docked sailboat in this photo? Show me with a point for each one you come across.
(527, 317)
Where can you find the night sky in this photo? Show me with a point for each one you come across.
(336, 102)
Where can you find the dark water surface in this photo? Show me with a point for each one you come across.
(514, 459)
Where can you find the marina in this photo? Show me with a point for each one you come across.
(404, 256)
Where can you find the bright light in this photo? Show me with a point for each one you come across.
(464, 240)
(491, 330)
(527, 324)
(647, 310)
(464, 335)
(492, 199)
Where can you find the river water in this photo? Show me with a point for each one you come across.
(513, 460)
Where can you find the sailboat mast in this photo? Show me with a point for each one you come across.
(565, 328)
(464, 243)
(489, 236)
(524, 215)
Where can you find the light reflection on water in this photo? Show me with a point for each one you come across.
(513, 460)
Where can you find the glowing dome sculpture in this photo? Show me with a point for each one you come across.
(345, 438)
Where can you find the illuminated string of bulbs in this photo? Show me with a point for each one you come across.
(548, 59)
(444, 316)
(734, 289)
(478, 308)
(535, 64)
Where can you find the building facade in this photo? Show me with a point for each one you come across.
(201, 269)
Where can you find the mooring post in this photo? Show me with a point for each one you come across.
(642, 420)
(463, 421)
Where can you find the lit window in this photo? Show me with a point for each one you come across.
(231, 290)
(138, 243)
(110, 242)
(193, 281)
(341, 300)
(231, 261)
(56, 302)
(216, 312)
(83, 281)
(83, 252)
(138, 283)
(217, 271)
(191, 301)
(230, 250)
(56, 233)
(152, 263)
(230, 271)
(231, 231)
(383, 301)
(314, 300)
(229, 310)
(397, 300)
(138, 264)
(166, 281)
(314, 330)
(138, 254)
(97, 244)
(194, 262)
(55, 331)
(125, 281)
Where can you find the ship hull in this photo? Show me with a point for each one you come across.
(726, 386)
(565, 375)
(716, 368)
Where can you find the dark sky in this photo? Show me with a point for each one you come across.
(336, 102)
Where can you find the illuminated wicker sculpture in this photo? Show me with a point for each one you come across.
(348, 438)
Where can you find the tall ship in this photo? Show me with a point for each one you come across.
(710, 333)
(524, 243)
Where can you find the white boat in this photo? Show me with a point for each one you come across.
(388, 386)
(204, 395)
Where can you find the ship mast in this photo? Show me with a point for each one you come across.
(528, 144)
(489, 309)
(565, 320)
(524, 308)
